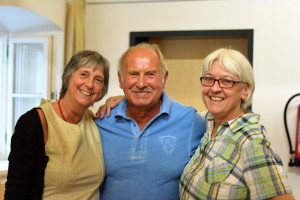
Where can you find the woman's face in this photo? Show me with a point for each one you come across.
(85, 85)
(224, 103)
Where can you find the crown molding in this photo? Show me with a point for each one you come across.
(131, 1)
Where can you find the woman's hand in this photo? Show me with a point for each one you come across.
(110, 103)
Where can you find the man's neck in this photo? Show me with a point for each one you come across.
(143, 116)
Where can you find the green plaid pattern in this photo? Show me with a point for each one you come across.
(238, 163)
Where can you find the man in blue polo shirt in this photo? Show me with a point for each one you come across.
(149, 138)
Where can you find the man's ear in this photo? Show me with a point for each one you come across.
(120, 81)
(165, 80)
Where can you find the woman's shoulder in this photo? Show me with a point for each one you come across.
(203, 113)
(28, 123)
(29, 116)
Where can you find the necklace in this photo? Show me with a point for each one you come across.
(61, 113)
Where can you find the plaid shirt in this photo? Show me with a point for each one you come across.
(238, 163)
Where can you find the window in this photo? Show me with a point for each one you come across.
(26, 79)
(3, 88)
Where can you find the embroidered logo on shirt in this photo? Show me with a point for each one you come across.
(168, 143)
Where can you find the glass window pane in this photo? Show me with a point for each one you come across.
(29, 69)
(22, 105)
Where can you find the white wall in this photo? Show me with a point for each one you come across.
(38, 18)
(55, 10)
(276, 25)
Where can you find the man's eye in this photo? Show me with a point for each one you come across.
(133, 74)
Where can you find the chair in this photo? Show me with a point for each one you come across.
(2, 189)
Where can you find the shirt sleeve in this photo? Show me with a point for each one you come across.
(263, 170)
(197, 131)
(23, 156)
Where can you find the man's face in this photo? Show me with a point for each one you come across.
(143, 81)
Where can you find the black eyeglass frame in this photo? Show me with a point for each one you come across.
(232, 81)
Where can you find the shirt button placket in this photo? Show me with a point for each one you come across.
(139, 149)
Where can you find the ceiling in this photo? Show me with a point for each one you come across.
(16, 19)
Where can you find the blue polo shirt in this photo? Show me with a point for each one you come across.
(142, 165)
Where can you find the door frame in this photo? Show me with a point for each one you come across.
(143, 36)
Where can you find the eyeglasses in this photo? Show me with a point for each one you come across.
(223, 83)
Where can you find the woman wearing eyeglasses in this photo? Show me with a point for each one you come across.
(234, 159)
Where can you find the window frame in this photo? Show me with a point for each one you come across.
(8, 115)
(3, 89)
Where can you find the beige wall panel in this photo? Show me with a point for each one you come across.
(184, 56)
(183, 83)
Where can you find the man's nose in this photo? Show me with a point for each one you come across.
(142, 82)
